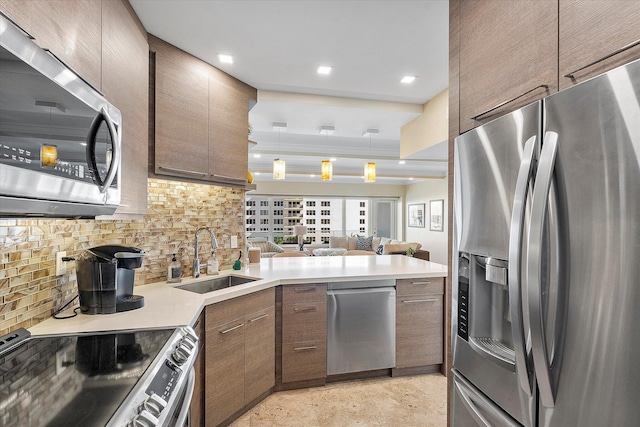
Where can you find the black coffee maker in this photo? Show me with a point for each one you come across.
(105, 279)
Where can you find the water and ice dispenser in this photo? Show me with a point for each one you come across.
(483, 306)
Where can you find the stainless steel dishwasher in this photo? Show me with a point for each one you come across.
(361, 326)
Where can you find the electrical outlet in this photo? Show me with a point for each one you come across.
(61, 266)
(234, 241)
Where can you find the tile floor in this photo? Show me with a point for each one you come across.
(419, 401)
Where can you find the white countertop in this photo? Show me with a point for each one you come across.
(166, 306)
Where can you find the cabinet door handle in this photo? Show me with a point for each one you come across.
(226, 331)
(305, 310)
(311, 347)
(228, 178)
(184, 171)
(411, 301)
(258, 318)
(426, 282)
(502, 104)
(622, 49)
(307, 289)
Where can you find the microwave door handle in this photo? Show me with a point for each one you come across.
(539, 205)
(91, 150)
(116, 143)
(525, 174)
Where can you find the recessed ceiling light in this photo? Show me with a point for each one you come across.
(324, 69)
(225, 59)
(256, 173)
(312, 176)
(408, 79)
(410, 179)
(333, 159)
(402, 162)
(256, 156)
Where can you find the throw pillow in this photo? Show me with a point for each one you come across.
(364, 243)
(380, 250)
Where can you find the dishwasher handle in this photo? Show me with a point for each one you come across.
(363, 291)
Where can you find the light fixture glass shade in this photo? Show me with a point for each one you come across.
(370, 172)
(279, 169)
(326, 170)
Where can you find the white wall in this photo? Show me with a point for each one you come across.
(328, 189)
(433, 241)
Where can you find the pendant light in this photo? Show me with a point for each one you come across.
(326, 167)
(279, 165)
(326, 170)
(370, 167)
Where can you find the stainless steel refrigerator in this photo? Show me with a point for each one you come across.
(546, 288)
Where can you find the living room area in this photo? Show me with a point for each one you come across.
(333, 219)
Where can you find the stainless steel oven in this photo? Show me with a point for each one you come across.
(60, 139)
(137, 378)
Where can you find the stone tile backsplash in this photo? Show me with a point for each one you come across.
(29, 289)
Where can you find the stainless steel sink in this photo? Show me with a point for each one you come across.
(215, 284)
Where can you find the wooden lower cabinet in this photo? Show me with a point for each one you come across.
(304, 332)
(304, 361)
(419, 322)
(260, 336)
(240, 354)
(196, 410)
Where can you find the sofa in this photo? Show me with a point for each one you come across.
(267, 249)
(379, 245)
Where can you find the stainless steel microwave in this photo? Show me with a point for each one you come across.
(60, 140)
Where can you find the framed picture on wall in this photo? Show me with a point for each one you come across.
(436, 215)
(416, 215)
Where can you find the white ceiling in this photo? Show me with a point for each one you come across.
(277, 46)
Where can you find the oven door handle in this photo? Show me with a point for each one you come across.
(186, 404)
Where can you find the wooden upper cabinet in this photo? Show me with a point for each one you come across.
(71, 29)
(201, 119)
(125, 74)
(508, 53)
(592, 30)
(228, 127)
(181, 112)
(19, 11)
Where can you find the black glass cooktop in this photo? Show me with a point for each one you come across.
(78, 380)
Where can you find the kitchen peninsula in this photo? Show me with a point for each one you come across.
(271, 334)
(166, 306)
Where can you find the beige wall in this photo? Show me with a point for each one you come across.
(430, 128)
(433, 241)
(29, 288)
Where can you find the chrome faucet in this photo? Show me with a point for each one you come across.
(196, 260)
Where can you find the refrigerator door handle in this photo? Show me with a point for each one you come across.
(539, 208)
(525, 174)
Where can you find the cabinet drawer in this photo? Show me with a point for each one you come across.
(236, 308)
(420, 286)
(304, 361)
(294, 294)
(419, 330)
(304, 322)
